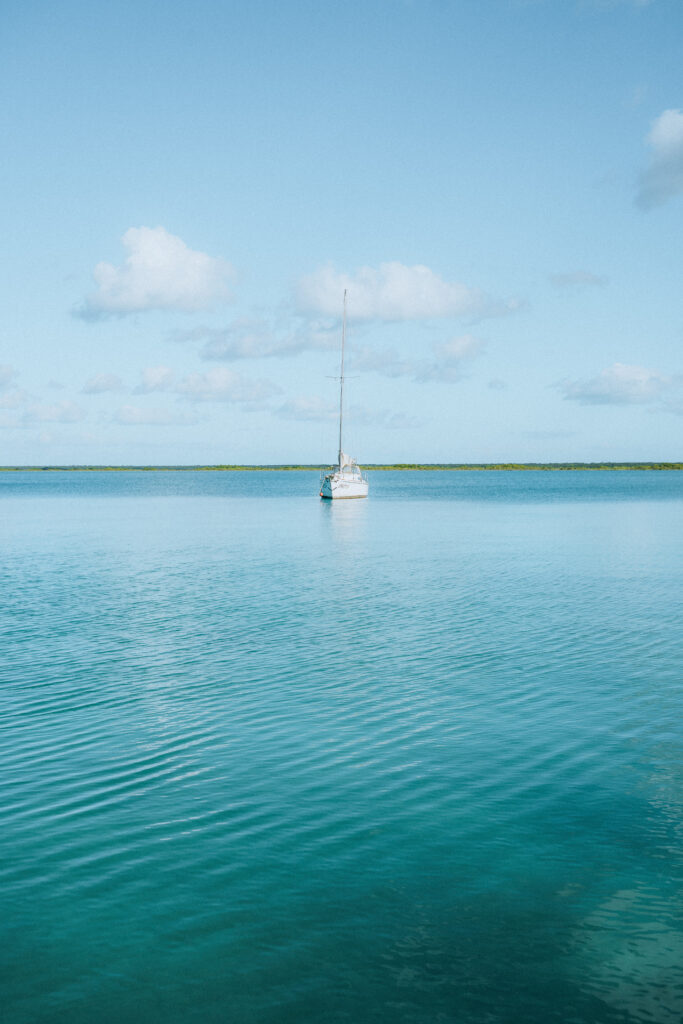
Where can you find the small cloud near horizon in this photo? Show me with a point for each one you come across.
(619, 384)
(160, 272)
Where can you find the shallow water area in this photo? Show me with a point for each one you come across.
(270, 759)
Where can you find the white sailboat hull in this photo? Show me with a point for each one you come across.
(343, 485)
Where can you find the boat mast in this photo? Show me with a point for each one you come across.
(341, 382)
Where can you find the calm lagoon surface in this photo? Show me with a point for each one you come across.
(412, 759)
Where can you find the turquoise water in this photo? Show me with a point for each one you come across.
(414, 759)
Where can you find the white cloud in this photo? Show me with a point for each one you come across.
(155, 378)
(102, 382)
(394, 292)
(133, 415)
(578, 279)
(663, 177)
(6, 374)
(220, 384)
(160, 272)
(620, 384)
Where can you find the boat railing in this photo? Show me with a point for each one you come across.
(350, 470)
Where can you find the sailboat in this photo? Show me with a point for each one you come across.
(345, 480)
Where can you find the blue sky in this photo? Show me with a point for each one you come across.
(188, 189)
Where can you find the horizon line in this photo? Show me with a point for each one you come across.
(454, 466)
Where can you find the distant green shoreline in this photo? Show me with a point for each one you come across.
(459, 466)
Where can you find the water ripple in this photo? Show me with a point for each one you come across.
(252, 758)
